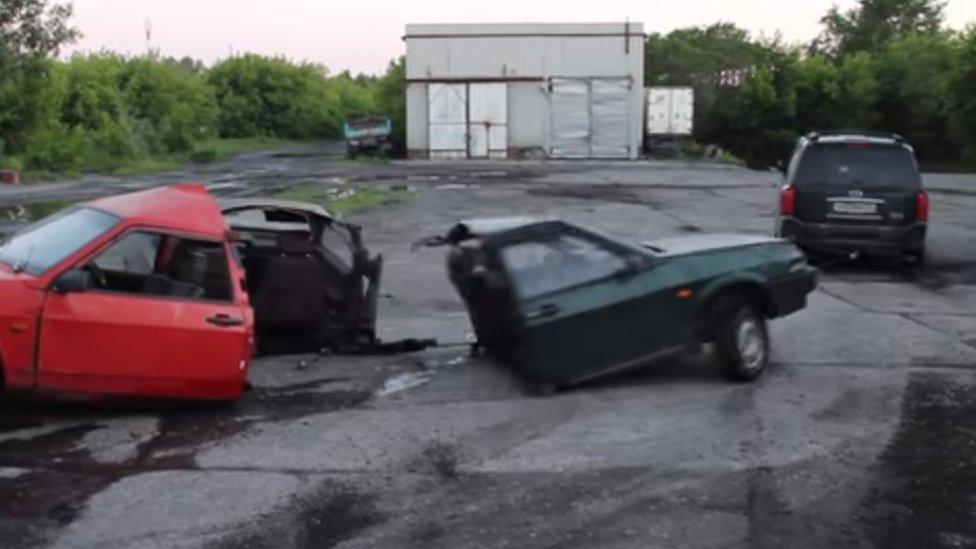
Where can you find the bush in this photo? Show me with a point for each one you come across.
(177, 106)
(269, 96)
(57, 149)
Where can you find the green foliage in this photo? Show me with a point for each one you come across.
(177, 105)
(57, 148)
(390, 100)
(961, 97)
(874, 24)
(271, 96)
(347, 200)
(919, 81)
(695, 55)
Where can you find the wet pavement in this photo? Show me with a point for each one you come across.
(861, 435)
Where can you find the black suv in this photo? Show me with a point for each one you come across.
(852, 192)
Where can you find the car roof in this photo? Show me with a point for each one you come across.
(232, 204)
(185, 207)
(491, 226)
(854, 136)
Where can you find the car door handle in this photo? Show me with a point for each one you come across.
(225, 321)
(546, 311)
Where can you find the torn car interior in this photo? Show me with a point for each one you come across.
(312, 282)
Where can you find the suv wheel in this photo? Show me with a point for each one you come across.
(742, 340)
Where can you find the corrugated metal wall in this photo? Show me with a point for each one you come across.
(561, 90)
(590, 118)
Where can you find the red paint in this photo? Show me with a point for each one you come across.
(111, 343)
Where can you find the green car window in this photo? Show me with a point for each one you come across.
(539, 267)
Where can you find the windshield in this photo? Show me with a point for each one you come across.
(44, 244)
(858, 165)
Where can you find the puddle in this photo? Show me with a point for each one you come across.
(923, 496)
(403, 382)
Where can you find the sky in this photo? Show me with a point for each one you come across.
(363, 35)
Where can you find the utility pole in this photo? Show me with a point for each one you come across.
(149, 29)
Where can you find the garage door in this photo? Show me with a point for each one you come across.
(447, 108)
(590, 118)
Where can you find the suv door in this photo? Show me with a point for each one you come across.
(161, 319)
(857, 184)
(583, 310)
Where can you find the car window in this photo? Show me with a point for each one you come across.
(338, 244)
(40, 246)
(542, 266)
(157, 264)
(857, 165)
(135, 253)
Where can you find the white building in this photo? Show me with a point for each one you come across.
(525, 90)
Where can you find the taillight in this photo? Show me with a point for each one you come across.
(922, 206)
(787, 200)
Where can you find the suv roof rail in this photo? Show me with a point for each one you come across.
(814, 136)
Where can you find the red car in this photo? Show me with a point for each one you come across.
(132, 295)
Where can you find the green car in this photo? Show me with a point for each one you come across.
(564, 304)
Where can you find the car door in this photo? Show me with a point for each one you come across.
(584, 304)
(161, 319)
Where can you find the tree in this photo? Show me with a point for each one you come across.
(696, 55)
(874, 24)
(390, 92)
(31, 32)
(962, 97)
(30, 28)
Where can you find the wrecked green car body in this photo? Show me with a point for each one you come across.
(563, 303)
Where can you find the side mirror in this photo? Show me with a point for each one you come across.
(633, 264)
(781, 167)
(75, 280)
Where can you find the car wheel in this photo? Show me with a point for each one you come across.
(742, 341)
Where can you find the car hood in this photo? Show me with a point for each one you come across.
(706, 242)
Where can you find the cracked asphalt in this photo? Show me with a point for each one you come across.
(862, 433)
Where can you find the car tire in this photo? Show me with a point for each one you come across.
(741, 340)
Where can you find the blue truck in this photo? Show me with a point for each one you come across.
(372, 135)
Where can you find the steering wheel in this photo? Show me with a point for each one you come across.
(98, 275)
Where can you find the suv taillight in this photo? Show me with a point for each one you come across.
(922, 206)
(787, 200)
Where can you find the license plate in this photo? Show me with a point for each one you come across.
(855, 208)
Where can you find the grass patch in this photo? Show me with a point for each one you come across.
(216, 150)
(211, 150)
(345, 200)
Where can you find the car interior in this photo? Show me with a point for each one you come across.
(163, 265)
(300, 274)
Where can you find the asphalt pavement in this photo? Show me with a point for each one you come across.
(860, 435)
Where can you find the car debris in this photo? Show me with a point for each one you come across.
(311, 279)
(563, 303)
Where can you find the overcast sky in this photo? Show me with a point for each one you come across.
(363, 35)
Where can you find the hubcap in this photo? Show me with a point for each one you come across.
(751, 344)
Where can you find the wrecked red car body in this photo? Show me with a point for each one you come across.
(131, 295)
(312, 282)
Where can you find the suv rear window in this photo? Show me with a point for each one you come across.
(858, 165)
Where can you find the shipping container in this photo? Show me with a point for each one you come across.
(670, 111)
